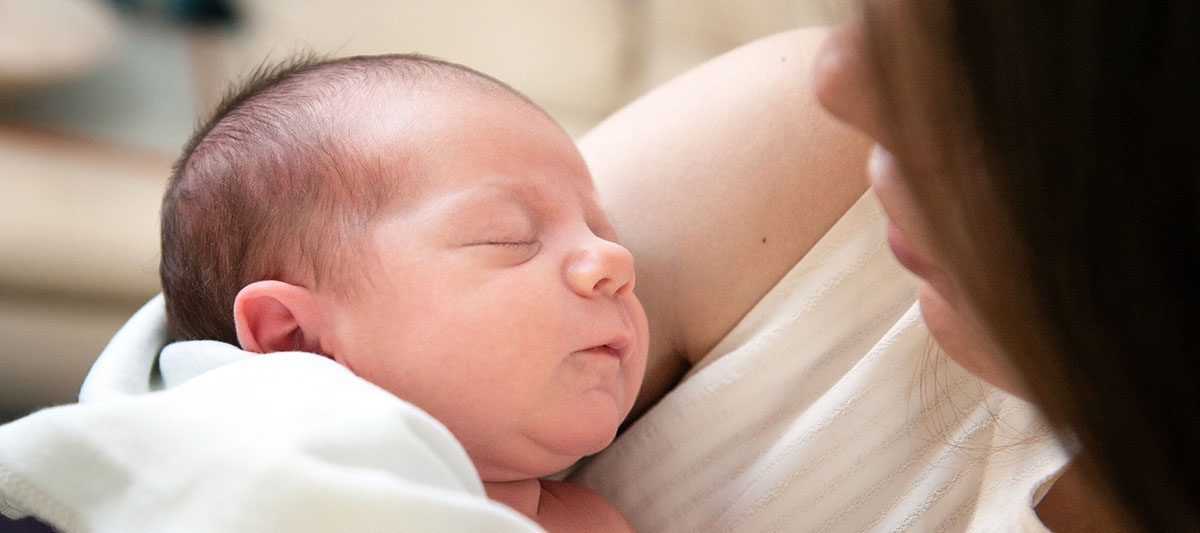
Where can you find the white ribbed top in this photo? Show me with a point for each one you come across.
(829, 409)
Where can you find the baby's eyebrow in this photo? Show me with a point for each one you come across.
(485, 197)
(492, 202)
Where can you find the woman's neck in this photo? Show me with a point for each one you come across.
(1072, 505)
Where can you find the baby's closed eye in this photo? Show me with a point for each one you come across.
(507, 242)
(505, 251)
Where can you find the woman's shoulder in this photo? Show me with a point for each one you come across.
(719, 181)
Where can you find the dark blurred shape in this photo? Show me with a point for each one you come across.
(192, 12)
(24, 525)
(205, 12)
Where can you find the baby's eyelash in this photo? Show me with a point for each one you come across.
(509, 243)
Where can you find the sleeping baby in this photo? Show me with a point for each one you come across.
(436, 233)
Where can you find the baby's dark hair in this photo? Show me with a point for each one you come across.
(269, 187)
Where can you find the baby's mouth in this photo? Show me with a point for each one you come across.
(615, 347)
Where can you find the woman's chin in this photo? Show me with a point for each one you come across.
(965, 342)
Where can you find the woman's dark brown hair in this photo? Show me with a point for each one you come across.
(1067, 197)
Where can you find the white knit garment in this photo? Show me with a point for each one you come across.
(828, 408)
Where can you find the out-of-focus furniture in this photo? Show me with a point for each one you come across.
(83, 161)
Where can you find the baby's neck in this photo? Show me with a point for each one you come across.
(523, 495)
(558, 506)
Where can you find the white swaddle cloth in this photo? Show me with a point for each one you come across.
(826, 409)
(203, 436)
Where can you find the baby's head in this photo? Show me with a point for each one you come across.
(428, 228)
(284, 178)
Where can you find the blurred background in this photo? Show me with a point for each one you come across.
(98, 96)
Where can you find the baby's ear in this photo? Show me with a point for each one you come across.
(274, 316)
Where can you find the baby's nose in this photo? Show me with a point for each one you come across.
(600, 268)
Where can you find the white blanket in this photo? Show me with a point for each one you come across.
(235, 442)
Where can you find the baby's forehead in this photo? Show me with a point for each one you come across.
(422, 120)
(414, 138)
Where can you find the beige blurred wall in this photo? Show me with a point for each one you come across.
(83, 172)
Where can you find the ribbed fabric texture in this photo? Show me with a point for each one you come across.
(828, 408)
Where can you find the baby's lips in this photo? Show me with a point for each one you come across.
(617, 346)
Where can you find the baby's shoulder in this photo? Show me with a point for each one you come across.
(569, 507)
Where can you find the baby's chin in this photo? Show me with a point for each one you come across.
(584, 438)
(543, 457)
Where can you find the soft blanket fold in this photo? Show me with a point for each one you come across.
(211, 438)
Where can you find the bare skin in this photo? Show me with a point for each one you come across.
(1070, 507)
(558, 506)
(507, 224)
(719, 182)
(664, 168)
